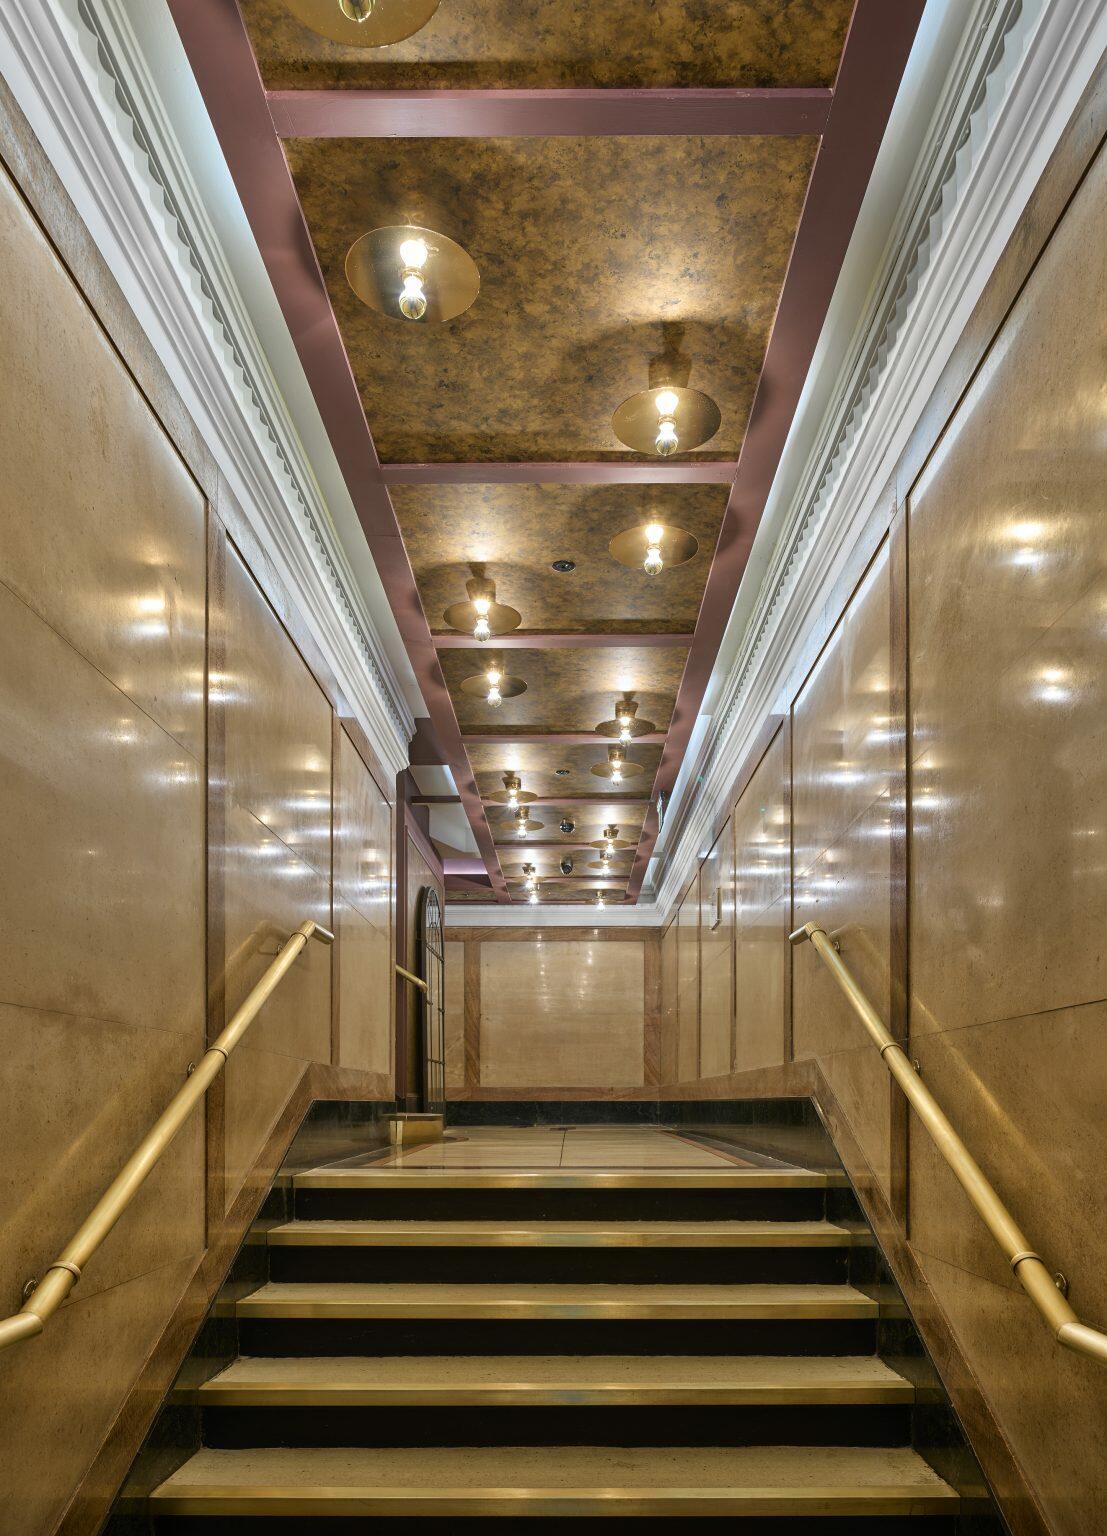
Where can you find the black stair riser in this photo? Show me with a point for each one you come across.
(729, 1204)
(786, 1424)
(573, 1266)
(560, 1336)
(802, 1525)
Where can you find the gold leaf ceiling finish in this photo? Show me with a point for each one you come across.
(567, 687)
(536, 765)
(549, 43)
(518, 531)
(596, 256)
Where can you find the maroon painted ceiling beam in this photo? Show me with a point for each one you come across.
(597, 472)
(483, 114)
(435, 800)
(877, 47)
(554, 739)
(549, 640)
(218, 49)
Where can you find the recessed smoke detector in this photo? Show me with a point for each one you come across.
(562, 773)
(564, 566)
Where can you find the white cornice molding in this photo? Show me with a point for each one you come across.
(1022, 68)
(79, 77)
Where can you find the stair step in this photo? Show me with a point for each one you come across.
(553, 1178)
(550, 1381)
(292, 1299)
(563, 1234)
(564, 1481)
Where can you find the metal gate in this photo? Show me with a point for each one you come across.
(432, 967)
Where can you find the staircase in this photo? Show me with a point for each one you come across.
(447, 1345)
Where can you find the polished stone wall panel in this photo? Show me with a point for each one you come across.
(454, 952)
(278, 725)
(688, 984)
(717, 957)
(562, 1014)
(761, 954)
(104, 540)
(365, 991)
(363, 856)
(101, 830)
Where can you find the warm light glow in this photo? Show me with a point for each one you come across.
(413, 253)
(494, 677)
(666, 441)
(616, 773)
(533, 898)
(413, 297)
(606, 854)
(666, 401)
(357, 10)
(653, 562)
(600, 903)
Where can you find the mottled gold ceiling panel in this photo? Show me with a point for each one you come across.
(589, 821)
(537, 767)
(567, 690)
(547, 862)
(597, 255)
(547, 43)
(516, 532)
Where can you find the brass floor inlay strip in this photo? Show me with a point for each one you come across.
(561, 1234)
(292, 1299)
(551, 1178)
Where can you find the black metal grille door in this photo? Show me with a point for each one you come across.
(432, 966)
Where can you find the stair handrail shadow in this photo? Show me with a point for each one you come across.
(48, 1294)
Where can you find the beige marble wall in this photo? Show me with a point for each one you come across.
(717, 957)
(688, 983)
(455, 1015)
(101, 853)
(363, 858)
(843, 761)
(761, 893)
(1008, 648)
(562, 1014)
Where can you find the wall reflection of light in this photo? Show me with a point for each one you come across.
(1051, 685)
(151, 616)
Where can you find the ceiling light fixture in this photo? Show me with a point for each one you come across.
(666, 420)
(653, 547)
(364, 23)
(522, 820)
(409, 273)
(617, 767)
(493, 685)
(566, 865)
(533, 898)
(626, 724)
(482, 615)
(600, 903)
(530, 877)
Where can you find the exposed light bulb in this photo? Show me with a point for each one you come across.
(600, 903)
(413, 253)
(521, 829)
(482, 630)
(533, 898)
(624, 719)
(357, 10)
(616, 773)
(513, 799)
(494, 696)
(624, 732)
(413, 298)
(653, 563)
(666, 440)
(666, 400)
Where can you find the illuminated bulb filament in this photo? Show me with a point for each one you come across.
(494, 694)
(616, 773)
(357, 10)
(482, 630)
(666, 440)
(413, 297)
(653, 563)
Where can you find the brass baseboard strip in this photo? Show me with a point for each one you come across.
(567, 1503)
(533, 1302)
(568, 1234)
(434, 1178)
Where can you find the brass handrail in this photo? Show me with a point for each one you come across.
(1032, 1274)
(49, 1293)
(416, 981)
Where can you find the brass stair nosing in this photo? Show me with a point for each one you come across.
(212, 1499)
(413, 1179)
(369, 1235)
(590, 1311)
(524, 1395)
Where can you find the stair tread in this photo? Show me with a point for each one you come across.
(540, 1379)
(386, 1177)
(364, 1299)
(568, 1234)
(572, 1479)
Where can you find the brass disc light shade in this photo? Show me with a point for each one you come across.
(666, 420)
(632, 546)
(617, 768)
(513, 792)
(412, 274)
(479, 684)
(482, 616)
(364, 23)
(626, 724)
